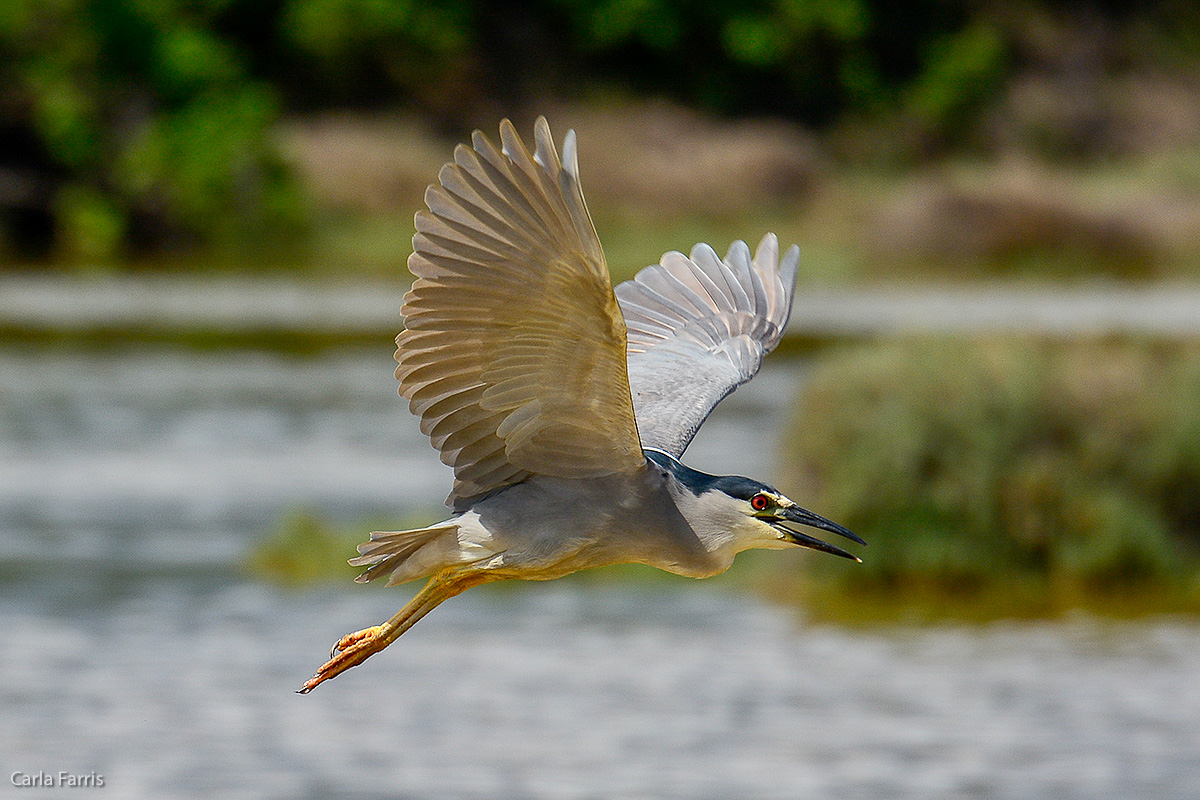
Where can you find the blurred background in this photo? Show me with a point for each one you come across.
(992, 374)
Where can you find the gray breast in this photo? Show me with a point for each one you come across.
(554, 526)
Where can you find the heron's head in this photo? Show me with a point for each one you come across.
(772, 515)
(741, 513)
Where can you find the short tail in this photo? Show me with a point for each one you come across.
(391, 553)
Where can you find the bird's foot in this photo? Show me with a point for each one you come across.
(350, 639)
(355, 648)
(350, 651)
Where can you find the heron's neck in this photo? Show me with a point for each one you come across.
(718, 519)
(697, 482)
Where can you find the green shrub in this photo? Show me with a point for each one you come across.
(303, 549)
(306, 549)
(1045, 473)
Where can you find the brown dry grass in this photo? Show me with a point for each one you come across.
(668, 160)
(661, 177)
(1124, 222)
(648, 156)
(363, 164)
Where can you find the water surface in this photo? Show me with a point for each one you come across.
(133, 483)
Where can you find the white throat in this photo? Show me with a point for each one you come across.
(723, 524)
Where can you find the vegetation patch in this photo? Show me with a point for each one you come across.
(305, 549)
(1004, 477)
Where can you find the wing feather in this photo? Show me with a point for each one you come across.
(514, 353)
(698, 327)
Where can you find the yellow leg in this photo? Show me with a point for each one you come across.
(355, 648)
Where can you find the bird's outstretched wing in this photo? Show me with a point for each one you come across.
(698, 328)
(514, 350)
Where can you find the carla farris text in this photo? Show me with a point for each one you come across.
(41, 779)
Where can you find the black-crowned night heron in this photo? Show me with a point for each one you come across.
(564, 406)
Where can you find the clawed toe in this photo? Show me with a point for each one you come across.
(351, 650)
(350, 639)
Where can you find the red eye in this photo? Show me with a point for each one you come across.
(760, 502)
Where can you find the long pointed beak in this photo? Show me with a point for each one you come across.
(802, 516)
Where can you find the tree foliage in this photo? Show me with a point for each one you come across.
(134, 119)
(147, 122)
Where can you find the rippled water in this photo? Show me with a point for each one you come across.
(131, 484)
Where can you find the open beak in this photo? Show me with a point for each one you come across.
(801, 516)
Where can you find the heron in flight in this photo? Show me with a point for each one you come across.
(562, 405)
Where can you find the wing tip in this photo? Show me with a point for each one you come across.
(570, 155)
(767, 252)
(544, 152)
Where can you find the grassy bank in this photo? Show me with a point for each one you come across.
(661, 177)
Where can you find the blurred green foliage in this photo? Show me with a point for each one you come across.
(147, 123)
(303, 550)
(1033, 473)
(136, 122)
(809, 60)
